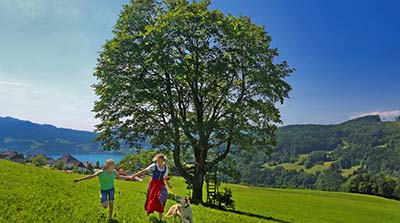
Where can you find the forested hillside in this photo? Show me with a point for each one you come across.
(361, 155)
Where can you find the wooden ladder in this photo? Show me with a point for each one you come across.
(212, 188)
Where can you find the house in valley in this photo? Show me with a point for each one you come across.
(89, 166)
(70, 161)
(12, 156)
(19, 158)
(4, 154)
(120, 171)
(50, 161)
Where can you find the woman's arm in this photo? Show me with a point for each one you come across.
(166, 179)
(119, 177)
(86, 177)
(138, 174)
(167, 182)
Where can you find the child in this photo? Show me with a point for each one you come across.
(106, 177)
(156, 192)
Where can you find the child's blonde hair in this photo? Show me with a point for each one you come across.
(160, 155)
(109, 162)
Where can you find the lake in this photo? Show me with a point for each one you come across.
(95, 157)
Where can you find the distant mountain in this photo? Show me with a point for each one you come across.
(32, 138)
(303, 139)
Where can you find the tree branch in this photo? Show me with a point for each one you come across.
(177, 157)
(221, 156)
(218, 144)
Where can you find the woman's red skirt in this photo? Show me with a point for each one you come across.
(156, 196)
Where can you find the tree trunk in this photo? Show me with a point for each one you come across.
(177, 160)
(197, 197)
(199, 173)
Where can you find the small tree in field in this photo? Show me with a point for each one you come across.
(97, 166)
(90, 168)
(75, 169)
(59, 165)
(39, 160)
(28, 158)
(192, 80)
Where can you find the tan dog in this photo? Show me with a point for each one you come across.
(182, 210)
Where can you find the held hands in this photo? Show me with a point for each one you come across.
(132, 177)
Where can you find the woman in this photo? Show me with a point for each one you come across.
(156, 192)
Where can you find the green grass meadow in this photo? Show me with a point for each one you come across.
(317, 167)
(32, 194)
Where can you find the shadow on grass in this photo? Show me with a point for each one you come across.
(105, 218)
(249, 214)
(154, 219)
(113, 221)
(256, 215)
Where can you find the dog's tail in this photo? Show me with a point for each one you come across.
(170, 212)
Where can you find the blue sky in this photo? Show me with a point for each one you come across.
(346, 54)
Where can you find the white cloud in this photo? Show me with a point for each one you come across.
(43, 103)
(12, 84)
(27, 7)
(39, 8)
(383, 114)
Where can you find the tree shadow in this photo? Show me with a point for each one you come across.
(256, 215)
(250, 214)
(113, 221)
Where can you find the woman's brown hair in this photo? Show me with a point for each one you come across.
(162, 156)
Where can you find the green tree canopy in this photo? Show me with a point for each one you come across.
(189, 79)
(39, 160)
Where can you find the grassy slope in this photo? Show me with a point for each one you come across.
(316, 206)
(313, 169)
(30, 194)
(296, 166)
(347, 172)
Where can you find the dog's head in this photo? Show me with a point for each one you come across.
(184, 202)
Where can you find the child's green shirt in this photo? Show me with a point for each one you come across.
(106, 180)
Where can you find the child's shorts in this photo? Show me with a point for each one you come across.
(107, 195)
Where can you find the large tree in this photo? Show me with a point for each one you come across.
(189, 79)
